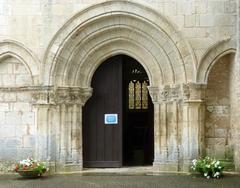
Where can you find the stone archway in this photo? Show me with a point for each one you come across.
(82, 44)
(213, 54)
(218, 71)
(118, 27)
(220, 102)
(10, 48)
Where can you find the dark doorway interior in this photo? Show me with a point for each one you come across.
(137, 115)
(119, 87)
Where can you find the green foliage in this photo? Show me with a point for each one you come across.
(207, 166)
(30, 165)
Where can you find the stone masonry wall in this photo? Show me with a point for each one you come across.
(17, 119)
(34, 23)
(218, 108)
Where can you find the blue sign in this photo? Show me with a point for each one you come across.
(110, 119)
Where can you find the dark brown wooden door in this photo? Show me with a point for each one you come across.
(130, 141)
(102, 143)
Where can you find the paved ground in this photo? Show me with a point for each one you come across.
(105, 181)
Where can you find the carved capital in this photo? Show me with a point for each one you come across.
(154, 93)
(62, 95)
(196, 91)
(72, 95)
(170, 93)
(42, 95)
(180, 92)
(86, 93)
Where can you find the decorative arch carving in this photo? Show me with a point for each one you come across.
(118, 27)
(213, 54)
(10, 48)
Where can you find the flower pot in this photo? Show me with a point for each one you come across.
(30, 173)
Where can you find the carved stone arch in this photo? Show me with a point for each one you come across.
(10, 48)
(75, 43)
(213, 54)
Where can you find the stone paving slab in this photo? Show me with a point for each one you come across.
(105, 181)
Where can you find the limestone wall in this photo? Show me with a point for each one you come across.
(50, 60)
(34, 23)
(218, 109)
(17, 118)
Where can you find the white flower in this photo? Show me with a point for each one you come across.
(216, 175)
(205, 174)
(23, 162)
(193, 167)
(194, 162)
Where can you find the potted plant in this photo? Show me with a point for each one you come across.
(208, 167)
(30, 168)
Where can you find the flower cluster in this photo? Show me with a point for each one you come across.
(208, 167)
(30, 164)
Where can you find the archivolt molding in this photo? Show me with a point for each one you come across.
(10, 48)
(141, 32)
(213, 54)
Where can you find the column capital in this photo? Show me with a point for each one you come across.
(42, 95)
(47, 95)
(154, 93)
(189, 92)
(72, 95)
(196, 92)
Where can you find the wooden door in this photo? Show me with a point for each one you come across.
(102, 143)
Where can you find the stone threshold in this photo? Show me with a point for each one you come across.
(131, 171)
(146, 170)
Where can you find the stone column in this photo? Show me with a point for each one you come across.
(71, 101)
(160, 130)
(42, 106)
(193, 125)
(59, 126)
(42, 150)
(154, 93)
(75, 134)
(63, 144)
(235, 120)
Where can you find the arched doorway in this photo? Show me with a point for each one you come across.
(118, 118)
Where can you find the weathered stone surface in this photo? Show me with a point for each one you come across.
(218, 105)
(49, 52)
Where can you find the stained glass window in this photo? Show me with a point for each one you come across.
(144, 95)
(131, 95)
(137, 95)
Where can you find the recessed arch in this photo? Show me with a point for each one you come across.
(146, 27)
(213, 54)
(10, 48)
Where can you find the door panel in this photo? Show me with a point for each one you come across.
(103, 143)
(132, 138)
